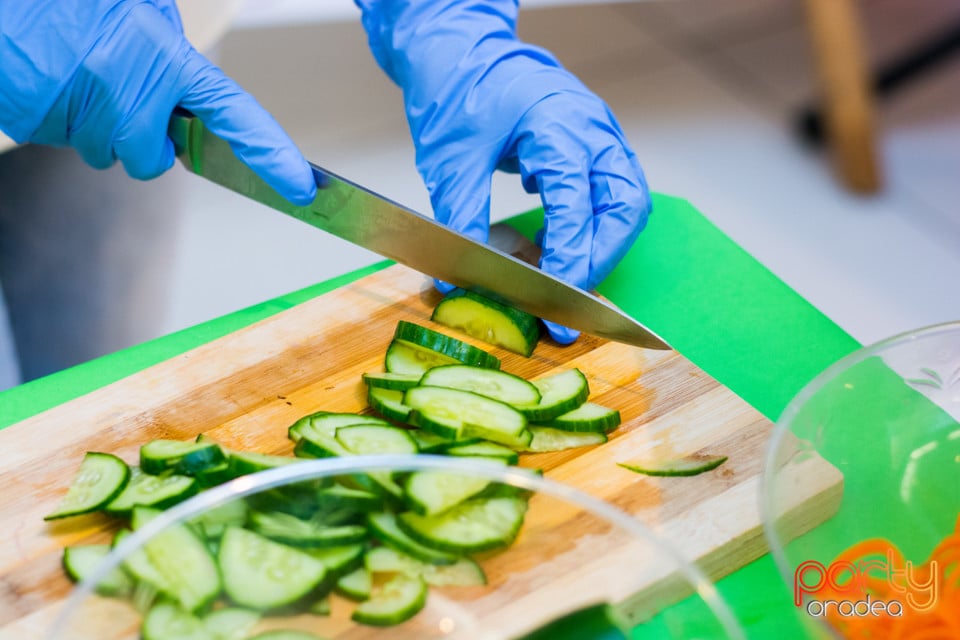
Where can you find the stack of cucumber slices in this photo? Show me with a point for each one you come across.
(379, 539)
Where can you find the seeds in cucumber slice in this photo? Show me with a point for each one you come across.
(388, 403)
(99, 480)
(597, 622)
(488, 320)
(166, 620)
(492, 383)
(587, 417)
(396, 601)
(483, 449)
(559, 393)
(230, 623)
(478, 524)
(81, 560)
(147, 490)
(261, 574)
(356, 585)
(374, 440)
(415, 335)
(431, 492)
(186, 458)
(383, 526)
(452, 413)
(189, 571)
(463, 573)
(291, 530)
(391, 380)
(689, 466)
(548, 439)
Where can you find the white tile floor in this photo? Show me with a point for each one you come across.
(704, 89)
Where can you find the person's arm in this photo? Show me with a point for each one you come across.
(104, 76)
(478, 99)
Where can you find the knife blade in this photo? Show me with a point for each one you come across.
(358, 215)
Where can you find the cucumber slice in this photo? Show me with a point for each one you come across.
(391, 380)
(230, 623)
(597, 622)
(187, 458)
(488, 320)
(384, 527)
(339, 499)
(416, 349)
(285, 634)
(463, 573)
(587, 417)
(388, 403)
(261, 574)
(291, 530)
(559, 393)
(338, 561)
(79, 561)
(356, 585)
(138, 565)
(374, 440)
(689, 466)
(431, 492)
(547, 439)
(492, 383)
(246, 462)
(147, 490)
(451, 413)
(166, 620)
(321, 607)
(482, 449)
(394, 602)
(99, 480)
(479, 524)
(214, 476)
(188, 570)
(324, 422)
(212, 524)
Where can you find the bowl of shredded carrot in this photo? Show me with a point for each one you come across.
(861, 491)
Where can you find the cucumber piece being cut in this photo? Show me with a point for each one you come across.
(488, 320)
(689, 466)
(79, 561)
(262, 575)
(393, 381)
(416, 349)
(99, 480)
(491, 383)
(396, 601)
(452, 413)
(547, 439)
(187, 458)
(560, 393)
(147, 490)
(587, 417)
(479, 524)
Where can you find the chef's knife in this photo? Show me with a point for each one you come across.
(362, 217)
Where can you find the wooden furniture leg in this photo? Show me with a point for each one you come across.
(845, 86)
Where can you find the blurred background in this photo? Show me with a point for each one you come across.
(706, 91)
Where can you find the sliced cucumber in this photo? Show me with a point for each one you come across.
(492, 383)
(230, 623)
(479, 524)
(559, 393)
(375, 439)
(482, 449)
(291, 530)
(415, 349)
(689, 466)
(396, 601)
(79, 561)
(261, 574)
(213, 476)
(147, 490)
(488, 320)
(388, 403)
(321, 607)
(356, 585)
(548, 439)
(383, 526)
(339, 561)
(431, 492)
(211, 524)
(452, 413)
(187, 458)
(325, 422)
(101, 478)
(340, 499)
(391, 380)
(587, 417)
(166, 620)
(246, 462)
(464, 572)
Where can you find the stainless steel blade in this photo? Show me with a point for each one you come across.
(362, 217)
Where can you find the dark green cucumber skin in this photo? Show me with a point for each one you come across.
(102, 505)
(528, 325)
(450, 347)
(595, 622)
(205, 456)
(667, 472)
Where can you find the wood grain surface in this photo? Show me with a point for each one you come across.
(245, 390)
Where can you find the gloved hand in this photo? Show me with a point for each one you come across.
(103, 76)
(478, 99)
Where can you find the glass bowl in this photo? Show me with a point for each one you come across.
(572, 553)
(871, 450)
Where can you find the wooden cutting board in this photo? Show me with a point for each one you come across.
(245, 390)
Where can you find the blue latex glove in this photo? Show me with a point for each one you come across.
(103, 77)
(478, 99)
